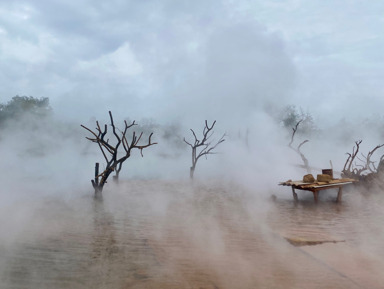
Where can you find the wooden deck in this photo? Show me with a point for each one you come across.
(318, 186)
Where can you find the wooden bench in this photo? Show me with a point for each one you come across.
(318, 186)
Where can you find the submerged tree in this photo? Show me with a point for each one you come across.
(297, 149)
(115, 154)
(203, 147)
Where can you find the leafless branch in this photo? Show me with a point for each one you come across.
(110, 152)
(297, 150)
(294, 130)
(365, 166)
(203, 147)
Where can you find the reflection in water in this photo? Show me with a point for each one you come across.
(357, 219)
(172, 235)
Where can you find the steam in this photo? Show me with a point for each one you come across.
(170, 67)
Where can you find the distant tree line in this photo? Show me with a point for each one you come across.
(20, 106)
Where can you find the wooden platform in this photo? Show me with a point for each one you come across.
(318, 186)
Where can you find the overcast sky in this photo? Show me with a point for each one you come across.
(181, 59)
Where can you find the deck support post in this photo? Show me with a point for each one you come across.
(294, 194)
(315, 195)
(339, 194)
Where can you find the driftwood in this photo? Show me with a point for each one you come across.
(362, 167)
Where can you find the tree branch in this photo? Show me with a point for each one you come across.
(205, 145)
(110, 152)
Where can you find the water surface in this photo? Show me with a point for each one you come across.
(152, 234)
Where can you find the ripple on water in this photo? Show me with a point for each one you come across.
(168, 235)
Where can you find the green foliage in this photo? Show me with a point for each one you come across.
(291, 115)
(20, 106)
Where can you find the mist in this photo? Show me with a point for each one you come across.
(146, 229)
(170, 67)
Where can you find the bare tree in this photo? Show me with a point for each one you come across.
(112, 153)
(359, 167)
(297, 149)
(203, 147)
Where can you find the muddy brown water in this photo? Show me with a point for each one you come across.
(152, 234)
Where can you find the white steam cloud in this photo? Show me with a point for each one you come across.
(171, 65)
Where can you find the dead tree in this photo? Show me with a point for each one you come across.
(203, 147)
(297, 149)
(114, 154)
(360, 168)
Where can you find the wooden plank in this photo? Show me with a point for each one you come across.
(318, 186)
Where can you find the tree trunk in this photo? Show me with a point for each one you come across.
(98, 191)
(191, 172)
(95, 183)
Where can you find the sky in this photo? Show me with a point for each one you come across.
(187, 60)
